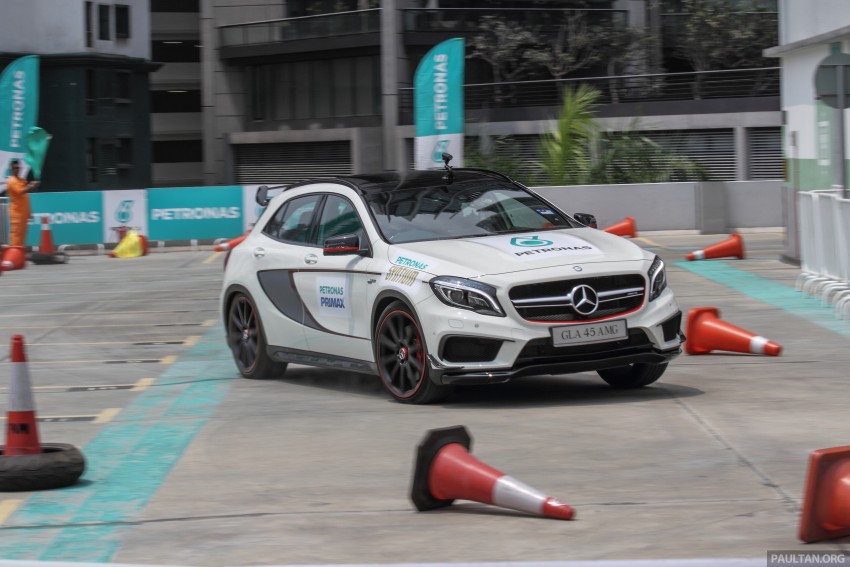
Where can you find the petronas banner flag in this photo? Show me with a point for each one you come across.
(18, 110)
(438, 105)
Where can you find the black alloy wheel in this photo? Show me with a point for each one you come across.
(402, 358)
(246, 341)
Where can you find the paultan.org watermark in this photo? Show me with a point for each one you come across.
(796, 558)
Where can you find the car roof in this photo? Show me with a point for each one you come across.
(390, 181)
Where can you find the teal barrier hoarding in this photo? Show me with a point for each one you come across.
(184, 213)
(75, 217)
(179, 213)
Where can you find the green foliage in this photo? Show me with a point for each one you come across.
(495, 154)
(620, 157)
(631, 157)
(565, 157)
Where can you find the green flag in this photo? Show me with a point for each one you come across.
(18, 108)
(35, 148)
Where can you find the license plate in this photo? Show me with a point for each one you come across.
(589, 333)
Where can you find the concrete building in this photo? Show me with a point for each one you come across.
(176, 125)
(94, 67)
(296, 88)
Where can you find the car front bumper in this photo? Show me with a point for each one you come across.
(523, 348)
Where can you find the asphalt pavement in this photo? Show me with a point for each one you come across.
(189, 464)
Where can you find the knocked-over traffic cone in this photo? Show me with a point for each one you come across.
(705, 332)
(21, 428)
(445, 471)
(230, 244)
(826, 502)
(14, 258)
(47, 254)
(732, 246)
(623, 228)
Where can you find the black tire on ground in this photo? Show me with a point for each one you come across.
(402, 358)
(57, 466)
(247, 342)
(633, 376)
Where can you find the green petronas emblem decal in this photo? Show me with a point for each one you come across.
(529, 241)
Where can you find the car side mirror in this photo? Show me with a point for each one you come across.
(343, 245)
(262, 196)
(586, 219)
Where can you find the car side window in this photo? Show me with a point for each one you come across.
(293, 221)
(338, 217)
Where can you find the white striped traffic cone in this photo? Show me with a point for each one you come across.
(445, 471)
(21, 428)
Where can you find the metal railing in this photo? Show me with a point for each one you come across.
(736, 83)
(465, 20)
(305, 27)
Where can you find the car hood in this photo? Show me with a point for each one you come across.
(508, 253)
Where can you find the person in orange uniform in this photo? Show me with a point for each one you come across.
(19, 204)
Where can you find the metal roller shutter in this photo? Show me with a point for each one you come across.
(713, 149)
(289, 163)
(765, 151)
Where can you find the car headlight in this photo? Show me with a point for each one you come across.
(657, 278)
(467, 294)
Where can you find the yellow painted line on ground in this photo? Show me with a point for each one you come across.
(649, 242)
(7, 508)
(106, 415)
(192, 341)
(170, 359)
(208, 323)
(211, 258)
(142, 384)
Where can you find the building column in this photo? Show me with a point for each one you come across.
(390, 33)
(742, 154)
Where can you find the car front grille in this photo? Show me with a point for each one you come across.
(552, 301)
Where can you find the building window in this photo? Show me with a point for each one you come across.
(123, 86)
(91, 160)
(124, 149)
(260, 82)
(122, 21)
(181, 151)
(175, 6)
(176, 101)
(103, 17)
(91, 93)
(89, 30)
(184, 51)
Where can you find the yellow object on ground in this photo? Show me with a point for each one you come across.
(129, 247)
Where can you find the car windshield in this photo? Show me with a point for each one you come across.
(461, 211)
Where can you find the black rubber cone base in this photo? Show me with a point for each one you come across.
(54, 258)
(57, 466)
(425, 455)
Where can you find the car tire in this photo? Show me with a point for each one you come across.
(247, 342)
(57, 466)
(402, 358)
(632, 376)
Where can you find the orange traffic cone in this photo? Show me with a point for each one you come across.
(47, 254)
(705, 332)
(230, 244)
(826, 502)
(623, 228)
(732, 246)
(21, 428)
(445, 470)
(14, 258)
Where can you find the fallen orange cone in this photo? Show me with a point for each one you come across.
(21, 428)
(230, 244)
(705, 332)
(445, 471)
(623, 228)
(731, 247)
(14, 258)
(826, 502)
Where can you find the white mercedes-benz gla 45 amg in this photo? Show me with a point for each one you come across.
(437, 278)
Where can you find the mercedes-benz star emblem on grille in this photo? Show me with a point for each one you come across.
(585, 300)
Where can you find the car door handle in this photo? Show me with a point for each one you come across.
(311, 259)
(259, 252)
